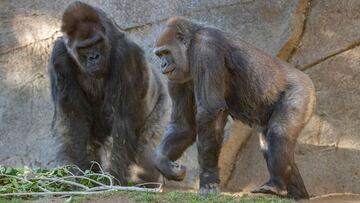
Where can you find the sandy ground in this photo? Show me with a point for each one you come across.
(330, 198)
(336, 198)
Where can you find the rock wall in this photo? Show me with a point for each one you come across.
(317, 36)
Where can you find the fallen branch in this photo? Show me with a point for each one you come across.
(27, 182)
(69, 193)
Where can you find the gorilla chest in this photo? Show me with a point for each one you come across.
(92, 88)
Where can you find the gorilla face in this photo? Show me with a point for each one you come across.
(171, 49)
(91, 54)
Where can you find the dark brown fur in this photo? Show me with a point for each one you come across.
(80, 21)
(112, 110)
(224, 75)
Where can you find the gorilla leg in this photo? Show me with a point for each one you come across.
(278, 142)
(263, 143)
(276, 152)
(285, 178)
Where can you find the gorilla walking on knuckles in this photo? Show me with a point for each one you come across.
(109, 106)
(211, 75)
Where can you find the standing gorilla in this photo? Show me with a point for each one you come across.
(109, 106)
(212, 75)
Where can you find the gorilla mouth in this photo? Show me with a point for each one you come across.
(168, 70)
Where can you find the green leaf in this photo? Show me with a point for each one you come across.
(10, 171)
(69, 200)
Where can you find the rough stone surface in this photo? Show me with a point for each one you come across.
(332, 26)
(25, 106)
(338, 116)
(323, 33)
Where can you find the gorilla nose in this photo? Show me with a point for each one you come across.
(164, 65)
(166, 69)
(93, 58)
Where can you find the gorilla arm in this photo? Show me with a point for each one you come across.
(71, 123)
(209, 75)
(124, 102)
(180, 132)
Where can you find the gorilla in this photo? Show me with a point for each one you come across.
(211, 75)
(109, 105)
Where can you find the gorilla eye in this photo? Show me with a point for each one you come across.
(162, 52)
(102, 29)
(82, 50)
(180, 37)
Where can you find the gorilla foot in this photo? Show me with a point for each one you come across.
(209, 189)
(270, 188)
(297, 191)
(171, 170)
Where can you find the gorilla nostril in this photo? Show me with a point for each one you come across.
(164, 64)
(94, 57)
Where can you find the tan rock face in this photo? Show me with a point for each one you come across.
(334, 147)
(337, 121)
(324, 34)
(331, 26)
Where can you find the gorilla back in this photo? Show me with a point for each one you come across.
(109, 105)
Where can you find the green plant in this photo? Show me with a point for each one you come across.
(66, 180)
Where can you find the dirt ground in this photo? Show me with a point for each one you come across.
(114, 198)
(336, 198)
